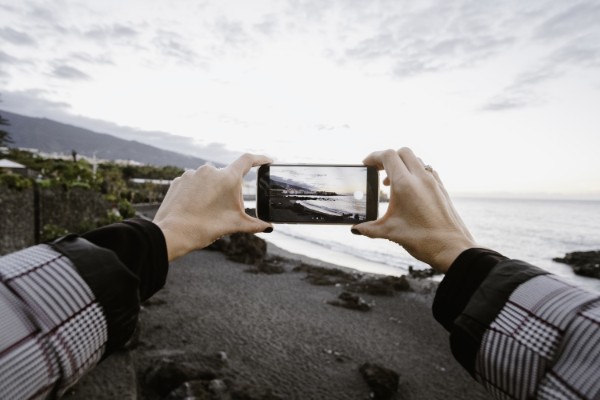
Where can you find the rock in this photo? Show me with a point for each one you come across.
(222, 356)
(339, 357)
(253, 393)
(166, 376)
(218, 388)
(219, 245)
(351, 301)
(193, 390)
(422, 273)
(584, 263)
(246, 248)
(271, 265)
(384, 286)
(382, 381)
(321, 276)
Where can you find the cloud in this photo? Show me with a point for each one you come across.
(577, 32)
(579, 18)
(232, 32)
(523, 91)
(41, 13)
(509, 101)
(105, 33)
(103, 59)
(172, 44)
(571, 41)
(8, 59)
(583, 52)
(32, 102)
(7, 8)
(16, 37)
(68, 72)
(269, 25)
(415, 40)
(37, 103)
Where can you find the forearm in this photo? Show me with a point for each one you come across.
(514, 327)
(52, 327)
(140, 247)
(66, 305)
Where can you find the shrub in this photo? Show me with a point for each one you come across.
(126, 209)
(51, 231)
(15, 181)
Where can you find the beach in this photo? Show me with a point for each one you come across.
(297, 208)
(231, 334)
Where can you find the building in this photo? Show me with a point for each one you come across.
(13, 167)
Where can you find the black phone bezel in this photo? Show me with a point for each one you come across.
(263, 184)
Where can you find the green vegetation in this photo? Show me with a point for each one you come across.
(15, 181)
(112, 180)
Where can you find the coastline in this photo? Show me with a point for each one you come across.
(285, 208)
(260, 336)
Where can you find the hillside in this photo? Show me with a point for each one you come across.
(51, 136)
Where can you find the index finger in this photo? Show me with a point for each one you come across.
(388, 160)
(243, 164)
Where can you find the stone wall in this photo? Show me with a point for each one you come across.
(17, 219)
(75, 210)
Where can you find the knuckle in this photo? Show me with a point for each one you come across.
(404, 151)
(206, 168)
(247, 156)
(389, 153)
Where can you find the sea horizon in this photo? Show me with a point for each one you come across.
(533, 230)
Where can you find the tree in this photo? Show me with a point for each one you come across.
(4, 136)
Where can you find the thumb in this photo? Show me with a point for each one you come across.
(255, 225)
(370, 229)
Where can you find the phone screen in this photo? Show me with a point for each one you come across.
(331, 194)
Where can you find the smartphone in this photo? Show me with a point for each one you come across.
(317, 193)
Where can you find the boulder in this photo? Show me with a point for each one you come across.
(166, 375)
(351, 301)
(382, 381)
(422, 273)
(246, 248)
(584, 263)
(321, 276)
(383, 286)
(196, 390)
(270, 265)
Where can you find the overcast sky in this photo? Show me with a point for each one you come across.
(499, 96)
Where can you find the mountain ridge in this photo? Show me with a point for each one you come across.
(52, 136)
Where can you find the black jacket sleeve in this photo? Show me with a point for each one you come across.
(471, 296)
(522, 332)
(124, 264)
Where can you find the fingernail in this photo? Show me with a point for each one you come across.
(355, 231)
(268, 229)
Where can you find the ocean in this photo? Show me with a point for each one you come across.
(531, 230)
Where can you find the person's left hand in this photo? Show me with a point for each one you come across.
(204, 204)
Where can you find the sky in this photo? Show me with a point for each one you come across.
(329, 179)
(501, 97)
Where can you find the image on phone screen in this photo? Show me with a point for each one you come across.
(317, 194)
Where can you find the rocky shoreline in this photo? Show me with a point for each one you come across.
(282, 326)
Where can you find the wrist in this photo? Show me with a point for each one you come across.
(448, 253)
(177, 243)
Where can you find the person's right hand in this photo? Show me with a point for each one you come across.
(420, 216)
(204, 204)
